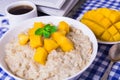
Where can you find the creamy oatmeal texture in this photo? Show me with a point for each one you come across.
(59, 65)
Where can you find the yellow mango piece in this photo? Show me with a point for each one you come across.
(31, 31)
(112, 30)
(116, 37)
(63, 42)
(97, 17)
(63, 32)
(40, 55)
(89, 14)
(97, 29)
(105, 22)
(36, 41)
(111, 39)
(38, 25)
(117, 25)
(66, 44)
(63, 26)
(57, 35)
(114, 16)
(104, 11)
(50, 44)
(23, 39)
(106, 36)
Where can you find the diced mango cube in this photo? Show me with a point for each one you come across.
(97, 29)
(63, 26)
(23, 39)
(56, 36)
(31, 31)
(112, 30)
(40, 55)
(66, 44)
(35, 41)
(116, 37)
(38, 25)
(117, 25)
(50, 44)
(104, 11)
(105, 36)
(114, 16)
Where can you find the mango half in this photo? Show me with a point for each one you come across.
(104, 22)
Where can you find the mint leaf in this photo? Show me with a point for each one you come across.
(47, 27)
(53, 29)
(46, 34)
(46, 31)
(39, 31)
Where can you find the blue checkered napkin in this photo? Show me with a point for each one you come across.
(115, 73)
(93, 4)
(5, 76)
(4, 24)
(100, 64)
(3, 28)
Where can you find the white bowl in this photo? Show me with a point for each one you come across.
(13, 32)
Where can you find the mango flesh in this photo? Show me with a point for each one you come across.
(104, 22)
(40, 55)
(65, 44)
(23, 39)
(35, 27)
(35, 41)
(63, 26)
(50, 44)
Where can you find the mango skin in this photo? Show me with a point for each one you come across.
(104, 22)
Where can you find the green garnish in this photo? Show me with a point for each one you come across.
(46, 31)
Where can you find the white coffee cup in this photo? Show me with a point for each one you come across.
(16, 17)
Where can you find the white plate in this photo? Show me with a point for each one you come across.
(13, 32)
(106, 42)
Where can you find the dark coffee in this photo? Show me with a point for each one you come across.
(22, 9)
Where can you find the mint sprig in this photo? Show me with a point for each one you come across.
(46, 31)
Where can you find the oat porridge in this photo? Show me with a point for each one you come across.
(59, 64)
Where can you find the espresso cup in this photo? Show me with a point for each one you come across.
(19, 11)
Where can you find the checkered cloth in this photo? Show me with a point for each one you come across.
(101, 62)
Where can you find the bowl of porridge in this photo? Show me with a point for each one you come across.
(48, 48)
